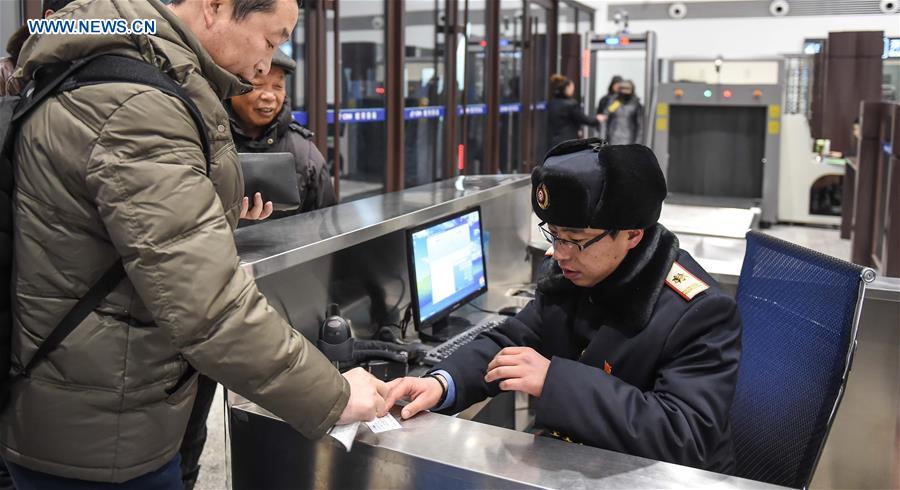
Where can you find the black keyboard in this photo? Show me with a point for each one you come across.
(450, 346)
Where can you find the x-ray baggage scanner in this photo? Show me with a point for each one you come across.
(717, 133)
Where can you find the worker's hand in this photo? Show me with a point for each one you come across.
(520, 368)
(366, 397)
(258, 211)
(601, 117)
(424, 393)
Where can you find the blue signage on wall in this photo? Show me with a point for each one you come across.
(353, 116)
(430, 112)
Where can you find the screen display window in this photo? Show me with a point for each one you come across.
(448, 259)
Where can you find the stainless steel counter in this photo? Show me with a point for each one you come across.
(277, 245)
(437, 451)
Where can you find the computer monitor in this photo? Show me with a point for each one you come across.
(446, 269)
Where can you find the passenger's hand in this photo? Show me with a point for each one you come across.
(258, 211)
(366, 397)
(601, 117)
(520, 368)
(424, 393)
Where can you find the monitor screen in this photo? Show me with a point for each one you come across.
(447, 266)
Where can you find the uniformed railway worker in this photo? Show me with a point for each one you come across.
(261, 122)
(629, 344)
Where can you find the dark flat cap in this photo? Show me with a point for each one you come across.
(284, 62)
(589, 184)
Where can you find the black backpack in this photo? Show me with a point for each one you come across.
(51, 80)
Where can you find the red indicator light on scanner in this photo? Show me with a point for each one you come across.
(379, 90)
(727, 94)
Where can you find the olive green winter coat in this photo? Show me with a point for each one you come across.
(116, 170)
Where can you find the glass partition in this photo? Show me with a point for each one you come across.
(425, 88)
(362, 112)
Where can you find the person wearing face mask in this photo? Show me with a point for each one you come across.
(261, 122)
(610, 94)
(624, 116)
(628, 345)
(565, 114)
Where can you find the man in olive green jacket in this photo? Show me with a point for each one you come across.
(116, 170)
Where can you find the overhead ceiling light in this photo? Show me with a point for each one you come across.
(779, 8)
(677, 10)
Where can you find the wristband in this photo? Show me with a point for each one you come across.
(443, 387)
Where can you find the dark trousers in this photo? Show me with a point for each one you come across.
(166, 478)
(195, 434)
(6, 482)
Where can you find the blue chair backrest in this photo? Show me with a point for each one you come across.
(799, 310)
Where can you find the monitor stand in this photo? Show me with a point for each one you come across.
(442, 330)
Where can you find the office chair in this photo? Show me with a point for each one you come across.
(800, 310)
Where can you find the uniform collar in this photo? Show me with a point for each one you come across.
(626, 298)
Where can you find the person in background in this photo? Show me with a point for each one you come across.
(624, 116)
(629, 345)
(9, 85)
(855, 137)
(610, 93)
(566, 116)
(261, 122)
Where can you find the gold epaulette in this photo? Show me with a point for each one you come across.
(684, 283)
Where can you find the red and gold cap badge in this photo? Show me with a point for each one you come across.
(543, 197)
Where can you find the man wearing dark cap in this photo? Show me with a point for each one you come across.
(261, 122)
(629, 344)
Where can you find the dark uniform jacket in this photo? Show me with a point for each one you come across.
(636, 366)
(566, 118)
(285, 135)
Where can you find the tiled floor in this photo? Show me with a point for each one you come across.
(213, 474)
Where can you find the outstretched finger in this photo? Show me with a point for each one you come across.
(267, 210)
(504, 360)
(514, 384)
(420, 402)
(245, 206)
(503, 372)
(401, 389)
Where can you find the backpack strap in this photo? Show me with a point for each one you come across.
(77, 314)
(102, 68)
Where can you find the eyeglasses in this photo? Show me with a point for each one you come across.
(558, 242)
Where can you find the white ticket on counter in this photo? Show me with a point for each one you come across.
(384, 424)
(345, 434)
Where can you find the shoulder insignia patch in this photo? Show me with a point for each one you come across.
(684, 283)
